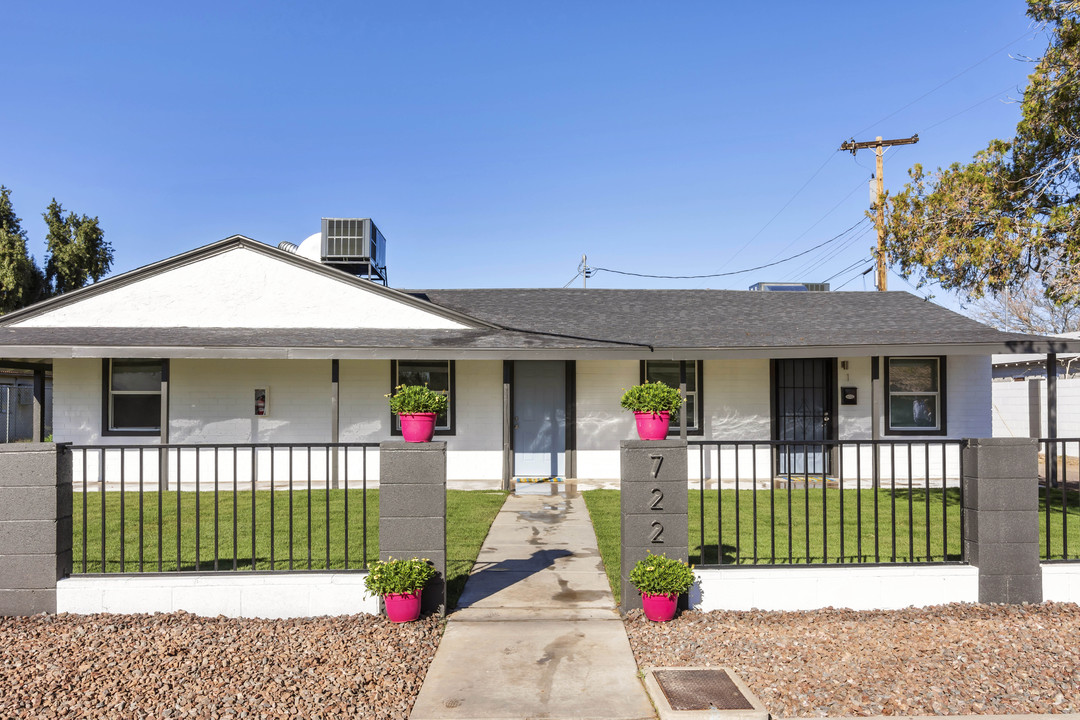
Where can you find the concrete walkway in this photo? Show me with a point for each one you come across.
(536, 633)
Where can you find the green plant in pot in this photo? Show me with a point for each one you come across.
(400, 584)
(652, 404)
(661, 580)
(418, 406)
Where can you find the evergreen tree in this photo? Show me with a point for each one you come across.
(1013, 212)
(77, 250)
(21, 282)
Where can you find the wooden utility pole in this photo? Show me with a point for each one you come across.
(878, 144)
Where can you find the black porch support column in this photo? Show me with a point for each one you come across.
(38, 432)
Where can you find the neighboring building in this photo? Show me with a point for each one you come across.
(1021, 366)
(239, 342)
(17, 405)
(1020, 408)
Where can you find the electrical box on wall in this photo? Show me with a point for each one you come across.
(262, 402)
(849, 396)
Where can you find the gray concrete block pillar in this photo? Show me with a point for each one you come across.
(412, 510)
(35, 525)
(654, 505)
(1001, 518)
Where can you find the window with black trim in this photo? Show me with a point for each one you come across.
(437, 375)
(915, 395)
(131, 399)
(667, 372)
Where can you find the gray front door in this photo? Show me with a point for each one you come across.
(539, 418)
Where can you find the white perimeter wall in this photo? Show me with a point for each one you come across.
(236, 594)
(858, 588)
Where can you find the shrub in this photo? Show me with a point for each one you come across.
(661, 575)
(396, 577)
(409, 399)
(652, 397)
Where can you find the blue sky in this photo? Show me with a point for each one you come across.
(496, 142)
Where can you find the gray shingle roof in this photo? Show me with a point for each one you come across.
(722, 318)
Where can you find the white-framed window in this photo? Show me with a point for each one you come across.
(915, 395)
(437, 375)
(131, 397)
(667, 372)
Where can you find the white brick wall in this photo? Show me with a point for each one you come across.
(601, 423)
(77, 402)
(213, 401)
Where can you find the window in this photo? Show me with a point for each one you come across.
(667, 372)
(437, 375)
(915, 395)
(131, 400)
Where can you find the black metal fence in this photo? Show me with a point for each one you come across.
(1059, 501)
(784, 503)
(258, 506)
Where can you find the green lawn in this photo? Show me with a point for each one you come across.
(262, 539)
(800, 542)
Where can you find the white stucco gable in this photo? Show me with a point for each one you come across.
(238, 284)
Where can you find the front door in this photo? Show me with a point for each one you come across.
(539, 418)
(804, 414)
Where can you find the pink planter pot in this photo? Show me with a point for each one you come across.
(652, 426)
(404, 607)
(417, 427)
(659, 608)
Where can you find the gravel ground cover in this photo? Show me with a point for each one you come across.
(184, 666)
(944, 660)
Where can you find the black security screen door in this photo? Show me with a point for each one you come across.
(804, 414)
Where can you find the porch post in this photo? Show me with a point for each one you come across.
(682, 392)
(335, 418)
(163, 456)
(38, 431)
(1051, 395)
(1051, 419)
(508, 427)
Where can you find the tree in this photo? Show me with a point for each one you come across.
(78, 252)
(1014, 210)
(1027, 309)
(21, 282)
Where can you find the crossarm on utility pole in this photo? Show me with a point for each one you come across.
(878, 144)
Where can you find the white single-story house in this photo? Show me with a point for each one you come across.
(241, 342)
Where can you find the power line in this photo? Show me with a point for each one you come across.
(829, 212)
(864, 273)
(733, 272)
(777, 214)
(970, 107)
(849, 267)
(943, 84)
(572, 280)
